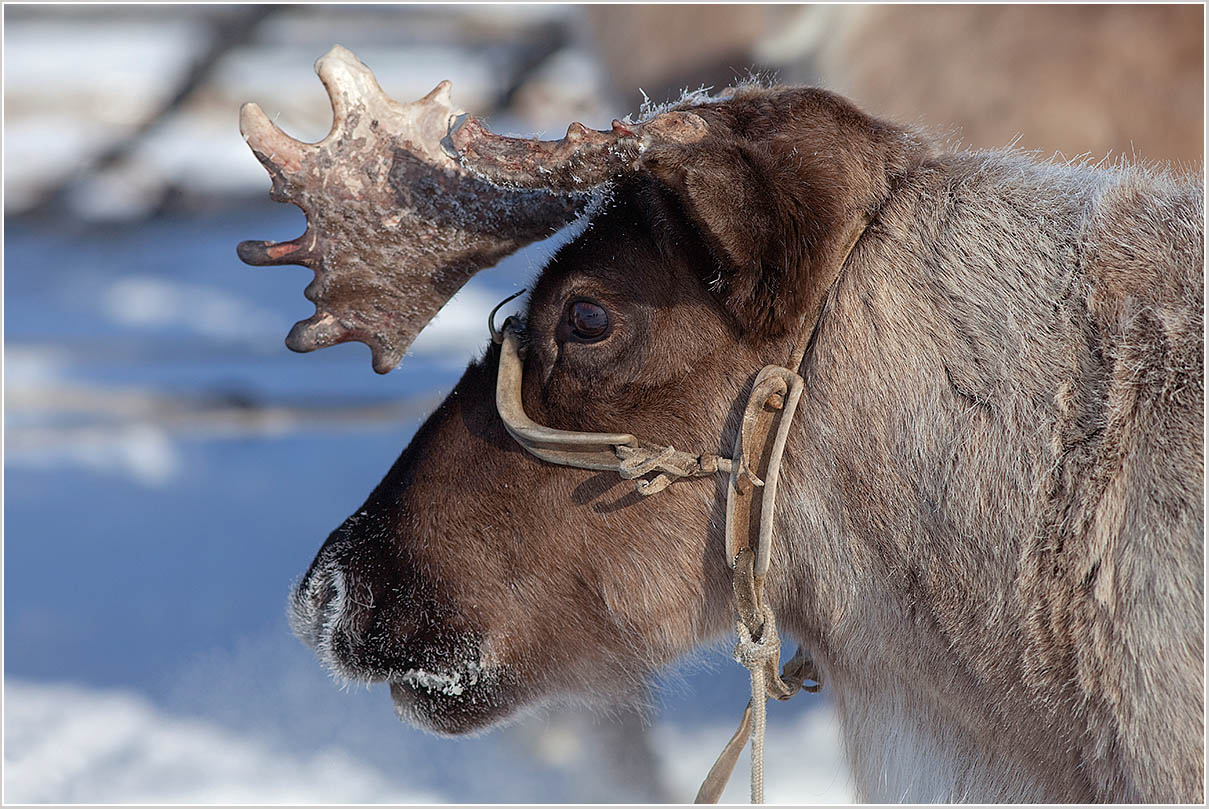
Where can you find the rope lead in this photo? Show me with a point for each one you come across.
(754, 655)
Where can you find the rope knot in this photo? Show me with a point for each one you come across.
(754, 654)
(670, 463)
(637, 461)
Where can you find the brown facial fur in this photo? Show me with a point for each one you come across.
(990, 532)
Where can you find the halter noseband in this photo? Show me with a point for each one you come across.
(610, 452)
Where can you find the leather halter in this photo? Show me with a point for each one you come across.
(754, 464)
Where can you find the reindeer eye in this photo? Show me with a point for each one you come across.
(589, 322)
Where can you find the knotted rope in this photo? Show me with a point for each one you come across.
(759, 651)
(669, 462)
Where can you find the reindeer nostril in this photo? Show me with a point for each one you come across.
(312, 600)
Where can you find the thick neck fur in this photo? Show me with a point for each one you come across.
(992, 521)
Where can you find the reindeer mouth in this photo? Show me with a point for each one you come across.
(438, 681)
(456, 695)
(452, 701)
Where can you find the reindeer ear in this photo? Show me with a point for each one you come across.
(770, 219)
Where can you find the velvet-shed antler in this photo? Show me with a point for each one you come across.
(404, 202)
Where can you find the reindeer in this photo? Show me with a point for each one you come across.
(989, 532)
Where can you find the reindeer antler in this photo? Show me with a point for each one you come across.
(582, 159)
(404, 202)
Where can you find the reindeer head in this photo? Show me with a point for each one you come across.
(478, 578)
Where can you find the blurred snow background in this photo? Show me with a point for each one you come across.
(170, 467)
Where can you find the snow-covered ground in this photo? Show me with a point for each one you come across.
(69, 743)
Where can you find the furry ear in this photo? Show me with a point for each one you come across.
(778, 211)
(763, 224)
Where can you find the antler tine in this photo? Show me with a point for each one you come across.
(582, 159)
(265, 254)
(265, 138)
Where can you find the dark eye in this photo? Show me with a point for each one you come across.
(588, 321)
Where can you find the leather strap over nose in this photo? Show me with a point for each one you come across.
(564, 447)
(610, 452)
